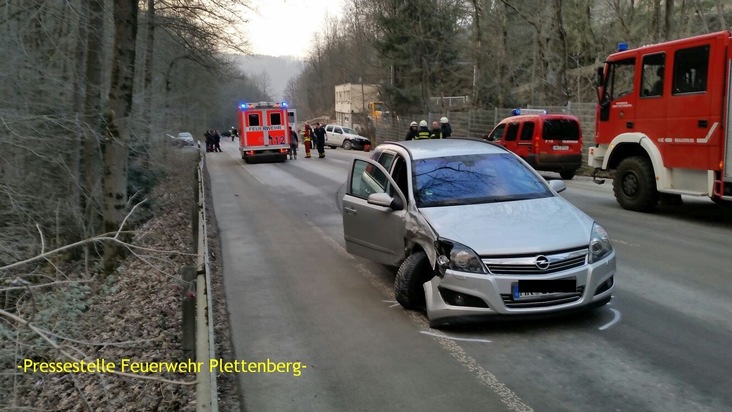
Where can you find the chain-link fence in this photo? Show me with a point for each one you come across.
(479, 123)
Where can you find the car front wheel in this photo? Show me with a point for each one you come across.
(412, 274)
(347, 145)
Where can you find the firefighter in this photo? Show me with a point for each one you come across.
(412, 132)
(234, 133)
(423, 132)
(306, 138)
(445, 128)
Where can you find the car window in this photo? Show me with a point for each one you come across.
(329, 128)
(338, 130)
(527, 131)
(386, 160)
(366, 179)
(497, 133)
(399, 174)
(561, 129)
(472, 179)
(275, 119)
(511, 132)
(253, 119)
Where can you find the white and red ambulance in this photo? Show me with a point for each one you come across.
(263, 131)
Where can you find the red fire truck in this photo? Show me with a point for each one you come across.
(263, 131)
(664, 121)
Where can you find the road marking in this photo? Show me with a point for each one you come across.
(617, 318)
(485, 377)
(439, 335)
(622, 242)
(394, 305)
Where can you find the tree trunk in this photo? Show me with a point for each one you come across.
(117, 135)
(667, 27)
(147, 84)
(92, 110)
(562, 87)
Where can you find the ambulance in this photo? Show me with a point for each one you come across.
(263, 131)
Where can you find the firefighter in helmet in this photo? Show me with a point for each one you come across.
(307, 136)
(412, 132)
(424, 131)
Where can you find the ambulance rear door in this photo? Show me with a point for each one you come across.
(253, 134)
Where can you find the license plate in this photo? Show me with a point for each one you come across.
(526, 289)
(556, 147)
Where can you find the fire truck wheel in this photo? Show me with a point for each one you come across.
(634, 184)
(414, 271)
(722, 202)
(347, 145)
(567, 174)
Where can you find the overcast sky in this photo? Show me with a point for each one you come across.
(286, 27)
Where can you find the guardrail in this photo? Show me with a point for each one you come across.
(206, 390)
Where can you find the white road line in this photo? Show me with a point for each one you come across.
(389, 301)
(617, 318)
(622, 242)
(394, 305)
(438, 335)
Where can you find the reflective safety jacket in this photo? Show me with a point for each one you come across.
(423, 133)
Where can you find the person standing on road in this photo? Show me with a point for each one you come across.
(436, 133)
(234, 133)
(412, 132)
(293, 143)
(307, 140)
(423, 132)
(320, 139)
(445, 128)
(217, 141)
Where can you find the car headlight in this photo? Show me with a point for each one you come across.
(456, 256)
(600, 245)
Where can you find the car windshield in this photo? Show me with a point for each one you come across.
(347, 130)
(472, 179)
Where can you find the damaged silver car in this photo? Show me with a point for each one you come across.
(475, 231)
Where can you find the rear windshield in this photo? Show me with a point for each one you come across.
(561, 129)
(472, 179)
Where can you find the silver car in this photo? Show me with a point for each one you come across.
(475, 232)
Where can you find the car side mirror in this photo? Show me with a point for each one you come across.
(558, 185)
(384, 200)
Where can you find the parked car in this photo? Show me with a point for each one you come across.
(550, 142)
(347, 138)
(182, 140)
(475, 232)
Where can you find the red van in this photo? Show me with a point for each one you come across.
(550, 142)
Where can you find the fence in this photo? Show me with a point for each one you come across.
(478, 123)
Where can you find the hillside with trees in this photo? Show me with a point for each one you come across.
(505, 53)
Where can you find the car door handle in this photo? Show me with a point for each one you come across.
(350, 210)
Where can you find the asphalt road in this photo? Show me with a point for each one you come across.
(295, 295)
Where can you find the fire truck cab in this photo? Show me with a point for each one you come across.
(263, 131)
(663, 121)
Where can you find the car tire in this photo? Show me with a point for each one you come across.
(333, 147)
(635, 184)
(412, 274)
(567, 174)
(347, 145)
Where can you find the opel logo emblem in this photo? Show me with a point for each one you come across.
(542, 262)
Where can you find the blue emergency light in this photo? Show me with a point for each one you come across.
(284, 104)
(622, 46)
(243, 106)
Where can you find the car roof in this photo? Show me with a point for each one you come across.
(429, 148)
(540, 116)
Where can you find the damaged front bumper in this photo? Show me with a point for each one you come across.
(461, 296)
